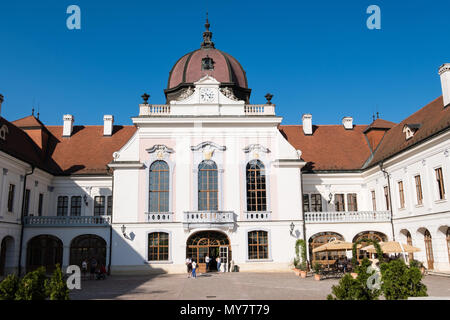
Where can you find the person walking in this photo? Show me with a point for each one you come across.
(218, 263)
(194, 268)
(207, 259)
(84, 268)
(189, 266)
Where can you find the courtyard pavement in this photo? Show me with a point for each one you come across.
(223, 286)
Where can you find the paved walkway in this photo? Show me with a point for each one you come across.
(226, 286)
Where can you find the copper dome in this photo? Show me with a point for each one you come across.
(207, 61)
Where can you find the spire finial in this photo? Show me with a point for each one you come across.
(207, 35)
(32, 111)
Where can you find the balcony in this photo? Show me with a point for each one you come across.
(257, 215)
(67, 221)
(159, 110)
(159, 217)
(351, 216)
(209, 219)
(259, 109)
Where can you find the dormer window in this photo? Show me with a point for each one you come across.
(410, 129)
(207, 63)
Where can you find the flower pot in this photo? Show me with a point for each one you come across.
(317, 277)
(354, 275)
(303, 274)
(297, 272)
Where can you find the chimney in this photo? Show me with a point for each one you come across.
(444, 72)
(1, 101)
(108, 122)
(68, 125)
(307, 124)
(348, 123)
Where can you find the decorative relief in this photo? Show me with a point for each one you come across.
(256, 148)
(446, 153)
(208, 148)
(160, 151)
(228, 92)
(116, 155)
(186, 94)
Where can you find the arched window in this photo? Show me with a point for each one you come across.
(324, 257)
(158, 246)
(86, 247)
(429, 249)
(159, 187)
(44, 250)
(409, 242)
(258, 245)
(256, 186)
(207, 186)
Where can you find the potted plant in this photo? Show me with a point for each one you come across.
(300, 266)
(303, 269)
(317, 271)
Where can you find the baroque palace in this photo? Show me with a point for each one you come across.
(208, 173)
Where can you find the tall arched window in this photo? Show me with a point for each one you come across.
(409, 241)
(258, 245)
(207, 186)
(256, 186)
(429, 249)
(159, 187)
(158, 246)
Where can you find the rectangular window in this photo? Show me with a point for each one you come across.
(339, 202)
(401, 194)
(99, 206)
(75, 206)
(352, 202)
(12, 189)
(41, 204)
(158, 246)
(316, 202)
(26, 205)
(374, 200)
(109, 205)
(440, 182)
(418, 189)
(386, 197)
(305, 202)
(258, 245)
(63, 205)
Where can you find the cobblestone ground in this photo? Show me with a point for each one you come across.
(226, 286)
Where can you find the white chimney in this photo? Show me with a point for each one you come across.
(444, 72)
(348, 123)
(1, 101)
(68, 125)
(307, 123)
(108, 122)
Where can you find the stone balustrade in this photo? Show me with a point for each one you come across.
(347, 216)
(67, 221)
(159, 217)
(257, 216)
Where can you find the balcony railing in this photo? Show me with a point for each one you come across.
(350, 216)
(165, 110)
(257, 216)
(154, 109)
(159, 217)
(259, 109)
(67, 221)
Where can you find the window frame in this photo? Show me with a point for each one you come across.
(337, 204)
(401, 194)
(109, 205)
(40, 204)
(72, 207)
(162, 176)
(387, 197)
(208, 191)
(439, 176)
(11, 196)
(99, 208)
(60, 207)
(26, 204)
(373, 196)
(260, 204)
(258, 244)
(169, 236)
(419, 190)
(352, 202)
(316, 203)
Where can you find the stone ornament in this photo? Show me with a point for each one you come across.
(228, 92)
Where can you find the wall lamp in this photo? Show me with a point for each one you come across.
(330, 197)
(85, 200)
(291, 229)
(124, 229)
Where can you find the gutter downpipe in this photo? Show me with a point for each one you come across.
(22, 219)
(110, 227)
(388, 176)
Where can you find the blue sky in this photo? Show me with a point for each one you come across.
(315, 56)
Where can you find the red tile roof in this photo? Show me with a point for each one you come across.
(330, 147)
(433, 118)
(379, 124)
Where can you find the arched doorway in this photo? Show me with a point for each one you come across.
(429, 249)
(211, 243)
(87, 246)
(372, 235)
(326, 257)
(6, 255)
(409, 242)
(44, 250)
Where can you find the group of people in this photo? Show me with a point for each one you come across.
(192, 265)
(96, 270)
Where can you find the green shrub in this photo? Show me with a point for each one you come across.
(56, 286)
(300, 262)
(317, 268)
(8, 287)
(355, 289)
(32, 286)
(415, 264)
(401, 281)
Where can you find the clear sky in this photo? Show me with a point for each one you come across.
(315, 57)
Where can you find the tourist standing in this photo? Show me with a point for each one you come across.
(189, 266)
(218, 263)
(93, 267)
(84, 268)
(207, 259)
(194, 267)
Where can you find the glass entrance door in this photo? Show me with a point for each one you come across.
(223, 253)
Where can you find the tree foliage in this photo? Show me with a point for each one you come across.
(56, 286)
(32, 286)
(401, 281)
(8, 287)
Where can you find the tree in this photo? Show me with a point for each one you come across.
(32, 286)
(401, 281)
(8, 287)
(56, 287)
